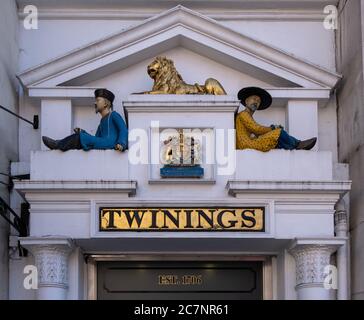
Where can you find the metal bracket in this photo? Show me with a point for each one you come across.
(35, 122)
(19, 223)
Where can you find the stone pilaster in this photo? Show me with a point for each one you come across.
(343, 253)
(341, 220)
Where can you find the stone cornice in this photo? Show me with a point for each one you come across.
(88, 93)
(158, 5)
(236, 187)
(120, 14)
(26, 186)
(180, 103)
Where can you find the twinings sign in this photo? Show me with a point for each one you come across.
(182, 219)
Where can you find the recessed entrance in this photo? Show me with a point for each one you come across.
(180, 280)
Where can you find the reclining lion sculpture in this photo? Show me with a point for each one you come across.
(167, 80)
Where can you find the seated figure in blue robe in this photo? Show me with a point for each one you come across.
(111, 133)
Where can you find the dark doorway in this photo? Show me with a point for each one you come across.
(180, 280)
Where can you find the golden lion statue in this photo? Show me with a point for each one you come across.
(167, 80)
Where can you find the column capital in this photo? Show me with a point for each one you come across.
(311, 260)
(51, 259)
(312, 257)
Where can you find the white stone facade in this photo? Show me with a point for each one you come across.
(290, 54)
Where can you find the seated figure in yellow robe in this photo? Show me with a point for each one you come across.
(251, 135)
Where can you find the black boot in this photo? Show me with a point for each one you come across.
(71, 142)
(306, 144)
(50, 143)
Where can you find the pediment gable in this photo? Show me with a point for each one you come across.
(179, 26)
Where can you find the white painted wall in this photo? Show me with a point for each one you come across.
(304, 39)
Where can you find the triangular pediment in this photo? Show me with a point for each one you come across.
(179, 27)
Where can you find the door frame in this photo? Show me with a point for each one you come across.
(269, 266)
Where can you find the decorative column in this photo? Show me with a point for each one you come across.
(343, 253)
(311, 261)
(51, 260)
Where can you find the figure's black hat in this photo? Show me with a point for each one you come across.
(254, 91)
(104, 93)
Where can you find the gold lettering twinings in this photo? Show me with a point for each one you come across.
(182, 219)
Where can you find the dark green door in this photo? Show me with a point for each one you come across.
(180, 280)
